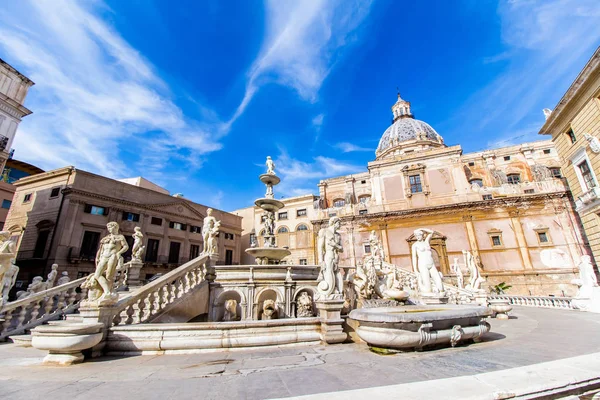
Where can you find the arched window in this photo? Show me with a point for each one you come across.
(364, 199)
(339, 203)
(282, 229)
(302, 227)
(513, 178)
(478, 182)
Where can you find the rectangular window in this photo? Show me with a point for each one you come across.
(514, 179)
(471, 164)
(127, 216)
(529, 191)
(95, 210)
(55, 192)
(156, 221)
(89, 245)
(303, 261)
(339, 203)
(152, 250)
(367, 248)
(496, 241)
(543, 237)
(27, 198)
(571, 135)
(586, 174)
(194, 251)
(301, 212)
(363, 212)
(546, 151)
(40, 244)
(229, 236)
(363, 182)
(556, 172)
(487, 197)
(174, 249)
(282, 215)
(506, 158)
(6, 204)
(228, 257)
(177, 225)
(364, 199)
(415, 184)
(195, 229)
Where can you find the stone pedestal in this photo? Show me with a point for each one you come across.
(332, 330)
(103, 315)
(481, 298)
(434, 298)
(133, 273)
(500, 307)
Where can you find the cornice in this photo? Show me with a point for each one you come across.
(511, 202)
(13, 108)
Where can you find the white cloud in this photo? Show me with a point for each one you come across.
(546, 45)
(95, 95)
(300, 177)
(303, 40)
(346, 147)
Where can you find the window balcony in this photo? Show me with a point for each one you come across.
(589, 199)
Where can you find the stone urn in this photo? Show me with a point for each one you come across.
(66, 340)
(500, 307)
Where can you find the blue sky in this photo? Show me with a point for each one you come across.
(194, 97)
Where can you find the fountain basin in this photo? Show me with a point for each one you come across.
(65, 341)
(269, 179)
(417, 327)
(272, 253)
(269, 204)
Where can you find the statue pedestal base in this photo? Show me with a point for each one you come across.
(103, 315)
(332, 330)
(434, 298)
(133, 273)
(481, 297)
(65, 341)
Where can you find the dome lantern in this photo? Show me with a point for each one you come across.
(401, 109)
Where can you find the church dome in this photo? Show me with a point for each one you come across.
(406, 128)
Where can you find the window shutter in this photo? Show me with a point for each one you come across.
(105, 211)
(87, 208)
(124, 215)
(171, 224)
(183, 227)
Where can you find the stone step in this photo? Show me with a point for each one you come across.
(73, 318)
(21, 340)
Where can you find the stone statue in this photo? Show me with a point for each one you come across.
(63, 279)
(8, 281)
(270, 166)
(52, 276)
(208, 224)
(7, 253)
(213, 246)
(423, 264)
(593, 141)
(230, 313)
(269, 226)
(253, 242)
(459, 275)
(269, 309)
(330, 245)
(37, 285)
(376, 246)
(499, 176)
(476, 279)
(109, 258)
(541, 172)
(588, 295)
(304, 306)
(138, 249)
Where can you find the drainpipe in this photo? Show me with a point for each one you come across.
(62, 200)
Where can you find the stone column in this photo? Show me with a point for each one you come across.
(350, 231)
(521, 241)
(385, 242)
(332, 330)
(468, 219)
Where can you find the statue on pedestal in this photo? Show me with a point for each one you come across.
(270, 166)
(329, 246)
(109, 258)
(37, 285)
(376, 246)
(423, 264)
(52, 276)
(208, 227)
(138, 249)
(8, 281)
(64, 278)
(459, 275)
(588, 295)
(476, 279)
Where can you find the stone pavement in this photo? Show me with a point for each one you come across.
(534, 336)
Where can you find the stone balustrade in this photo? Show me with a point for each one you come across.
(154, 297)
(537, 301)
(51, 304)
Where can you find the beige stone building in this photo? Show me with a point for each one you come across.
(13, 170)
(13, 89)
(59, 217)
(509, 206)
(575, 128)
(294, 229)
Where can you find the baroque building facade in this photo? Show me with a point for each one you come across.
(510, 207)
(574, 125)
(59, 217)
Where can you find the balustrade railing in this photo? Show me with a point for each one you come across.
(155, 296)
(50, 304)
(537, 301)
